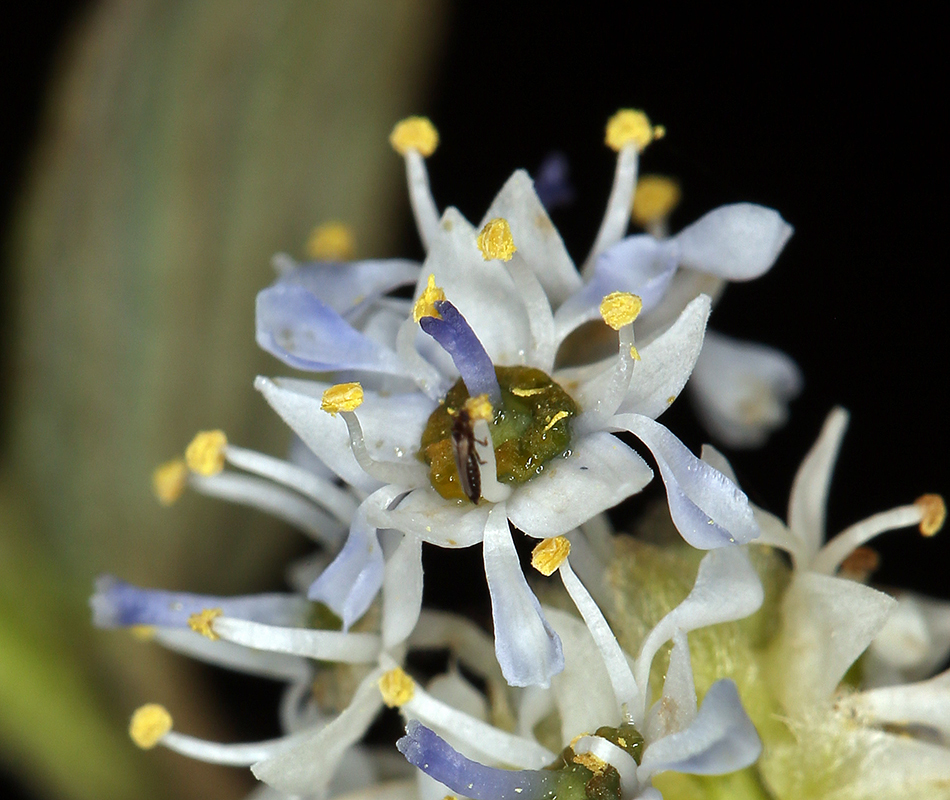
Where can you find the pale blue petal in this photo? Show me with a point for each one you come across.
(304, 332)
(526, 646)
(708, 509)
(721, 739)
(426, 750)
(343, 286)
(737, 242)
(117, 604)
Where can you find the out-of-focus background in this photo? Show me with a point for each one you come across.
(156, 154)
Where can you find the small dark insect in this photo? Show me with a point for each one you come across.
(466, 458)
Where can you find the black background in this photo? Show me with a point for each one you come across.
(832, 119)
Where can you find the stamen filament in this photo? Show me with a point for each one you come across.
(830, 556)
(348, 648)
(406, 473)
(616, 390)
(617, 215)
(325, 493)
(424, 209)
(538, 308)
(232, 755)
(621, 677)
(277, 501)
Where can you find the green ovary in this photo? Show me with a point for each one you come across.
(530, 427)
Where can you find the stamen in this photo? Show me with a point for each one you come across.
(425, 305)
(201, 622)
(830, 556)
(453, 333)
(331, 241)
(396, 687)
(620, 308)
(345, 648)
(149, 724)
(342, 397)
(934, 512)
(232, 755)
(549, 554)
(169, 481)
(495, 241)
(628, 132)
(205, 454)
(415, 139)
(654, 200)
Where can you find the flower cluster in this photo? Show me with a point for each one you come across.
(470, 399)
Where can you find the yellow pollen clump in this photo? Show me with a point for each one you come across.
(620, 308)
(414, 133)
(495, 241)
(933, 512)
(331, 241)
(517, 391)
(479, 408)
(396, 687)
(555, 420)
(425, 305)
(149, 724)
(628, 126)
(550, 554)
(593, 763)
(634, 353)
(201, 622)
(144, 633)
(342, 397)
(169, 481)
(655, 199)
(205, 454)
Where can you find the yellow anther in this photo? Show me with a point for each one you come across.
(495, 240)
(655, 199)
(631, 127)
(550, 554)
(331, 241)
(414, 133)
(555, 420)
(620, 308)
(169, 481)
(205, 454)
(342, 397)
(634, 353)
(396, 687)
(144, 633)
(479, 408)
(933, 511)
(149, 724)
(594, 763)
(425, 305)
(201, 622)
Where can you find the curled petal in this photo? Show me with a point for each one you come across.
(527, 648)
(304, 332)
(402, 591)
(708, 509)
(601, 468)
(742, 389)
(720, 739)
(425, 514)
(737, 242)
(429, 752)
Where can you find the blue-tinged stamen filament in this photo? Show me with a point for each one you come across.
(456, 337)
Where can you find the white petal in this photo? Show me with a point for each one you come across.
(424, 513)
(467, 642)
(742, 389)
(827, 623)
(773, 532)
(601, 469)
(527, 648)
(676, 708)
(535, 236)
(707, 508)
(483, 291)
(924, 703)
(721, 739)
(308, 767)
(667, 362)
(452, 689)
(402, 591)
(809, 497)
(737, 242)
(727, 588)
(582, 692)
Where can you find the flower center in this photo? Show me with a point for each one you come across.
(587, 777)
(529, 427)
